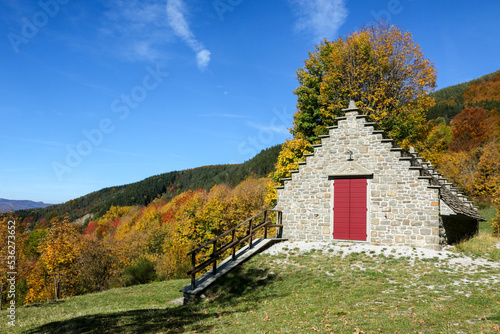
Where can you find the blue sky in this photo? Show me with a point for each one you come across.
(96, 94)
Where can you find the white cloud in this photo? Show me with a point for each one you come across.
(136, 30)
(271, 128)
(203, 58)
(176, 12)
(320, 18)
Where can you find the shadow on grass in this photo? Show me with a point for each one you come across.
(52, 302)
(135, 321)
(195, 317)
(241, 281)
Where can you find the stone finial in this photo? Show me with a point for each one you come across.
(352, 107)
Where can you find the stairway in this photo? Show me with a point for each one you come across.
(207, 279)
(253, 231)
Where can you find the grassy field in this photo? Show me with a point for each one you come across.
(299, 293)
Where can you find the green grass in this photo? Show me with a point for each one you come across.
(297, 293)
(483, 244)
(488, 214)
(301, 294)
(130, 309)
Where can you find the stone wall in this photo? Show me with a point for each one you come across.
(403, 209)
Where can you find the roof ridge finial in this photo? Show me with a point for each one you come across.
(352, 107)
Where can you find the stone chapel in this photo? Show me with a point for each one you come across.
(359, 185)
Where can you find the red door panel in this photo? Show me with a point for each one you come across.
(349, 217)
(341, 214)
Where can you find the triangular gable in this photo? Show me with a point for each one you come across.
(351, 169)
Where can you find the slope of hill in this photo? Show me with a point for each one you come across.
(450, 101)
(7, 205)
(329, 288)
(167, 185)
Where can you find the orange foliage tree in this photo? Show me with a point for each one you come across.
(481, 91)
(471, 128)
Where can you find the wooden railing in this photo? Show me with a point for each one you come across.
(234, 237)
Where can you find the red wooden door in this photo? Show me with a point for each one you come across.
(349, 209)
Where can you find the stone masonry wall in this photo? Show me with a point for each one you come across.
(402, 209)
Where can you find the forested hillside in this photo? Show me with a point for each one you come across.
(463, 136)
(166, 185)
(481, 92)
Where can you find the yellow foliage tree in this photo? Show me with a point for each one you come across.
(487, 176)
(381, 68)
(495, 222)
(292, 152)
(54, 275)
(437, 141)
(460, 168)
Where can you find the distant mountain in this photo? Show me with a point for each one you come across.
(7, 205)
(166, 185)
(450, 101)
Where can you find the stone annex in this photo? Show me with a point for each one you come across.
(359, 185)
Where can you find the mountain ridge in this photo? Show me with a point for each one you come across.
(8, 205)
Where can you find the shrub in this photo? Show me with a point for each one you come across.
(142, 272)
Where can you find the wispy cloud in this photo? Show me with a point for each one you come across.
(271, 128)
(320, 18)
(176, 12)
(136, 30)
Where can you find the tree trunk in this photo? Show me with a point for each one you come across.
(55, 286)
(1, 295)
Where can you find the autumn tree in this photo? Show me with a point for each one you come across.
(96, 265)
(495, 222)
(470, 129)
(381, 68)
(483, 90)
(54, 276)
(292, 152)
(4, 233)
(437, 141)
(487, 177)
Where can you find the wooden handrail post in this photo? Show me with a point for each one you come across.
(234, 247)
(193, 265)
(279, 219)
(265, 226)
(215, 260)
(250, 232)
(281, 223)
